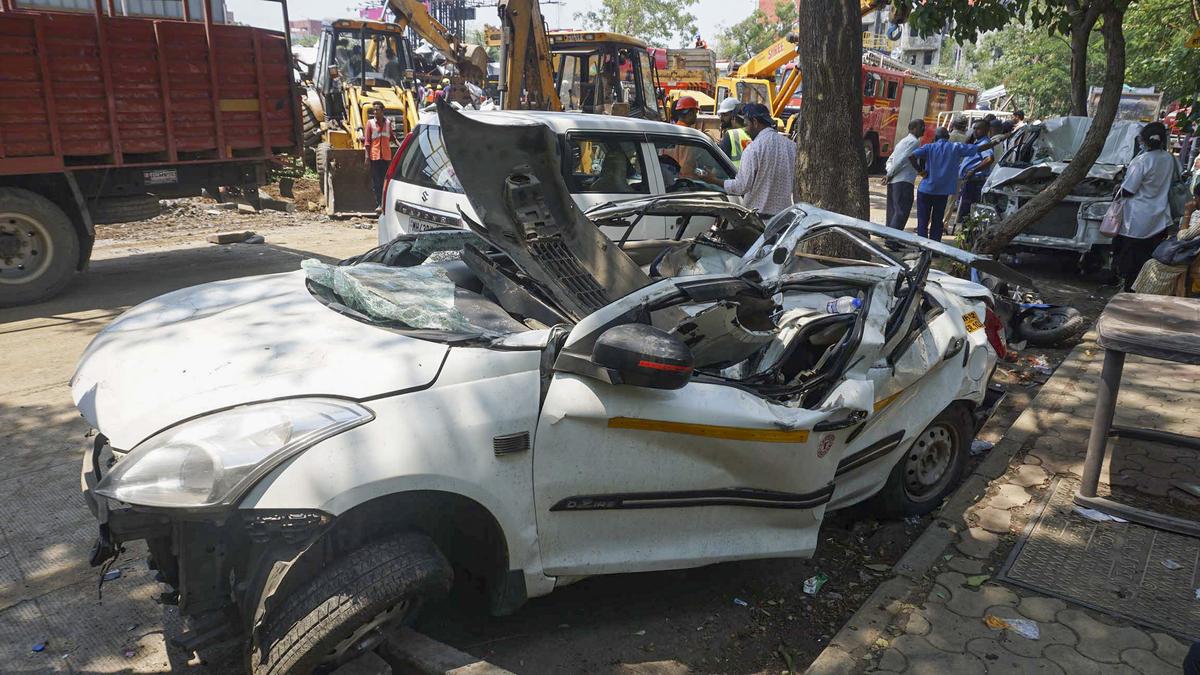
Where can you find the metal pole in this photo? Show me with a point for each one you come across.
(1106, 406)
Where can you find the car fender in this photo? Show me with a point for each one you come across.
(454, 437)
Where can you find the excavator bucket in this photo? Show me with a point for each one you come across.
(348, 184)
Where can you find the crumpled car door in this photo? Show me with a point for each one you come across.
(631, 479)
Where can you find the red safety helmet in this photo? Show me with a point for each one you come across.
(686, 103)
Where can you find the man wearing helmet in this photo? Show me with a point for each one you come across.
(734, 138)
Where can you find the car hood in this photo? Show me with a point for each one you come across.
(1055, 143)
(512, 177)
(233, 342)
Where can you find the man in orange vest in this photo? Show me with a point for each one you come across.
(377, 143)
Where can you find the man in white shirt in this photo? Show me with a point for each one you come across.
(768, 170)
(901, 176)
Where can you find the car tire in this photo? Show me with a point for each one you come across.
(930, 469)
(34, 231)
(1049, 327)
(339, 614)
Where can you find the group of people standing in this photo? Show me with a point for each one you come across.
(765, 159)
(953, 168)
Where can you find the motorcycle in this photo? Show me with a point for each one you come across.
(1027, 317)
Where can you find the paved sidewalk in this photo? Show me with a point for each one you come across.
(930, 617)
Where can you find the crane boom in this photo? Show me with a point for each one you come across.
(525, 63)
(471, 60)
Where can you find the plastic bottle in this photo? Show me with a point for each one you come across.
(843, 305)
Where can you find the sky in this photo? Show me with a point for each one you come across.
(711, 15)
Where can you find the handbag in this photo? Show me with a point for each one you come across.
(1176, 252)
(1114, 217)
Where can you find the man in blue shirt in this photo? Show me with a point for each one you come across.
(975, 169)
(942, 160)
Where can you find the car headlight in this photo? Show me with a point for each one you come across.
(1096, 210)
(213, 460)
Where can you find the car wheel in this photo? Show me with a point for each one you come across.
(1049, 327)
(342, 612)
(931, 467)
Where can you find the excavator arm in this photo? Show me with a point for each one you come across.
(525, 60)
(471, 60)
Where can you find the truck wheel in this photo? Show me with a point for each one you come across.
(1048, 327)
(340, 613)
(931, 467)
(125, 209)
(869, 154)
(39, 248)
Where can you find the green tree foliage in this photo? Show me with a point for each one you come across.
(1155, 32)
(1034, 66)
(756, 32)
(658, 22)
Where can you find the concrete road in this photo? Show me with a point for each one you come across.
(48, 594)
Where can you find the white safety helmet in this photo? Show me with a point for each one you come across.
(728, 105)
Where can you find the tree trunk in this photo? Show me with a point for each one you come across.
(995, 238)
(1080, 34)
(830, 172)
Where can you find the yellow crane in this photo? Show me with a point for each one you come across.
(755, 80)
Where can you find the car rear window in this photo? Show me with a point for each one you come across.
(425, 162)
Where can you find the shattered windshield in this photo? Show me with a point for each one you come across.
(417, 282)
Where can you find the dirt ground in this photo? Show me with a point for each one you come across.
(747, 617)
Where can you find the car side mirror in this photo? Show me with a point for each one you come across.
(644, 356)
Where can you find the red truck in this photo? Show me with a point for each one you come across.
(101, 115)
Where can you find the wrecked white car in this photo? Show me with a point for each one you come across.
(1034, 157)
(312, 455)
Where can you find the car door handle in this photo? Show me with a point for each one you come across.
(841, 419)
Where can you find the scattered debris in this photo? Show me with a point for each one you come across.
(740, 602)
(130, 653)
(364, 226)
(1026, 628)
(1098, 516)
(256, 239)
(229, 237)
(112, 574)
(813, 584)
(1198, 593)
(640, 632)
(977, 580)
(1171, 565)
(980, 446)
(40, 646)
(876, 567)
(246, 208)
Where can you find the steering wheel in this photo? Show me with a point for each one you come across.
(690, 184)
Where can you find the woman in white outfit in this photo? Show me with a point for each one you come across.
(1147, 213)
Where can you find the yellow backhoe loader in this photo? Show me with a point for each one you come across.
(359, 63)
(589, 71)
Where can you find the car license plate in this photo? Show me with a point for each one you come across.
(416, 225)
(971, 319)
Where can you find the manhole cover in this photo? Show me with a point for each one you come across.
(1144, 575)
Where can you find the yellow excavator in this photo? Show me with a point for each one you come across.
(755, 80)
(589, 71)
(359, 63)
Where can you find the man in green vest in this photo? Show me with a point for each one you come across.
(734, 138)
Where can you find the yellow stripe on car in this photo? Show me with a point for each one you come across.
(885, 402)
(711, 430)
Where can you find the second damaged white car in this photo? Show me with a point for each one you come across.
(311, 456)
